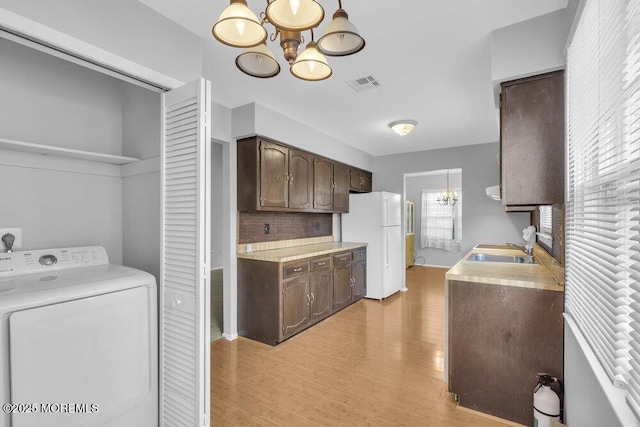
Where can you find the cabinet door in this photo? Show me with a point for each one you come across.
(300, 180)
(342, 295)
(532, 141)
(322, 184)
(360, 181)
(274, 168)
(359, 274)
(341, 180)
(494, 334)
(295, 305)
(321, 294)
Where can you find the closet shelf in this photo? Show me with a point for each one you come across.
(30, 147)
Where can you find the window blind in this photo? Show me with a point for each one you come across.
(603, 194)
(546, 219)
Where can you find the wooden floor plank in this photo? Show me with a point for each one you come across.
(375, 363)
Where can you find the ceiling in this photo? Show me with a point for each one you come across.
(432, 58)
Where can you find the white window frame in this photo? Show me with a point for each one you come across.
(429, 240)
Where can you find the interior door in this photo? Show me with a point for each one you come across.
(184, 280)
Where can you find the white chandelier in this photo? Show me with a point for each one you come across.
(239, 27)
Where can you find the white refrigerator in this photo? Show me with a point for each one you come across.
(375, 219)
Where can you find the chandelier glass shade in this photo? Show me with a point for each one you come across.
(340, 37)
(447, 198)
(258, 61)
(311, 65)
(239, 27)
(294, 15)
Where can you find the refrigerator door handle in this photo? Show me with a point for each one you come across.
(386, 247)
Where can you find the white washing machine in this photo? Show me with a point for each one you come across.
(78, 339)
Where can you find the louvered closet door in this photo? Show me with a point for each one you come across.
(186, 172)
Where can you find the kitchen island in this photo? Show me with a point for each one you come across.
(504, 325)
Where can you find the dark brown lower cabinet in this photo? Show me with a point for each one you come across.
(278, 300)
(499, 338)
(342, 281)
(321, 289)
(359, 274)
(295, 305)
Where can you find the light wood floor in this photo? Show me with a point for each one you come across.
(374, 363)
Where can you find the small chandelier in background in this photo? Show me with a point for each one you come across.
(403, 127)
(239, 27)
(447, 198)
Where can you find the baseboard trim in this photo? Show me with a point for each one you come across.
(230, 337)
(490, 417)
(431, 266)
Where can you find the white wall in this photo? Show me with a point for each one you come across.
(484, 220)
(123, 27)
(62, 202)
(256, 119)
(589, 395)
(530, 47)
(58, 208)
(47, 100)
(413, 191)
(141, 210)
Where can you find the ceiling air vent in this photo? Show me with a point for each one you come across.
(364, 83)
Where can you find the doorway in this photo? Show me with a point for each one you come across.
(217, 240)
(443, 249)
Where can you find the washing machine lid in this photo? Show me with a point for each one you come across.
(51, 276)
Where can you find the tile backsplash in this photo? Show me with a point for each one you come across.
(282, 226)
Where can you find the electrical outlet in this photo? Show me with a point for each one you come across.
(267, 229)
(17, 234)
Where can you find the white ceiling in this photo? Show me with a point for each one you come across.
(433, 59)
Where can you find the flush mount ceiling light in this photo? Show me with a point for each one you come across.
(239, 27)
(403, 127)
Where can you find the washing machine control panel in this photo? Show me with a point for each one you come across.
(51, 259)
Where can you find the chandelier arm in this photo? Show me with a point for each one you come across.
(339, 4)
(274, 36)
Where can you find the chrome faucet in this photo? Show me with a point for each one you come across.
(527, 250)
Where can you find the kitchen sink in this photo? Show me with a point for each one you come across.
(514, 259)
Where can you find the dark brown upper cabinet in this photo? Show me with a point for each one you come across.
(300, 180)
(532, 132)
(276, 177)
(322, 184)
(361, 181)
(331, 186)
(273, 177)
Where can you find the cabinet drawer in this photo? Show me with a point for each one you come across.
(342, 259)
(292, 270)
(360, 255)
(319, 263)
